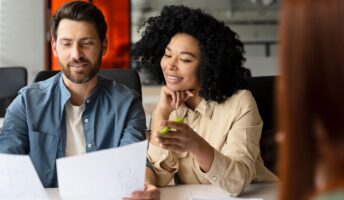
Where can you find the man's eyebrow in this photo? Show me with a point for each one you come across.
(85, 38)
(88, 38)
(65, 39)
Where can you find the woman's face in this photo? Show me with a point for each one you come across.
(181, 62)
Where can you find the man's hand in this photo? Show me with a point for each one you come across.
(151, 192)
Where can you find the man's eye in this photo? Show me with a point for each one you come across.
(66, 44)
(88, 43)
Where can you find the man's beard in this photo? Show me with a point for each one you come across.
(86, 75)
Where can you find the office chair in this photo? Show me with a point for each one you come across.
(263, 90)
(127, 77)
(11, 80)
(43, 75)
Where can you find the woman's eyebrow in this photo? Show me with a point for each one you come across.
(188, 53)
(183, 52)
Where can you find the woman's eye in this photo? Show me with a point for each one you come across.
(168, 56)
(185, 60)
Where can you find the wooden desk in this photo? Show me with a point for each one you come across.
(266, 191)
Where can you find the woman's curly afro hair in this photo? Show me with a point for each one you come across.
(221, 71)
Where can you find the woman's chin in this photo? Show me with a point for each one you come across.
(176, 87)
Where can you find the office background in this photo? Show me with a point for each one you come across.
(25, 36)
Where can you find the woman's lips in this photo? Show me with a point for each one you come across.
(173, 78)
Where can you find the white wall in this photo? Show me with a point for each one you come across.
(22, 34)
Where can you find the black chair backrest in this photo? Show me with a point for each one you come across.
(263, 90)
(11, 80)
(43, 75)
(127, 77)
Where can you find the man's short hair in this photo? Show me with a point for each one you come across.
(79, 11)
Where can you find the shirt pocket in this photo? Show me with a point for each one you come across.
(43, 153)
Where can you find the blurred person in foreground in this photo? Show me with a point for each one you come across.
(311, 100)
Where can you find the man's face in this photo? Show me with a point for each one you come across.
(78, 49)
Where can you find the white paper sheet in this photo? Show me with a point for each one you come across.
(18, 179)
(106, 174)
(2, 121)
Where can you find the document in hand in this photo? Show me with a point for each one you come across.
(105, 174)
(18, 179)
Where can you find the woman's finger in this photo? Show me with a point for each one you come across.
(188, 94)
(173, 125)
(179, 99)
(172, 147)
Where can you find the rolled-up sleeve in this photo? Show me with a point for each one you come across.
(164, 162)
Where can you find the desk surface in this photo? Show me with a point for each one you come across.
(266, 191)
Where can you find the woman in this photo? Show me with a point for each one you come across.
(311, 99)
(200, 62)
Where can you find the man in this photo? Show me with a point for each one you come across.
(76, 111)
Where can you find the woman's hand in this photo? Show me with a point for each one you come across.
(170, 100)
(151, 192)
(181, 138)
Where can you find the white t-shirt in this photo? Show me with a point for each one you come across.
(75, 144)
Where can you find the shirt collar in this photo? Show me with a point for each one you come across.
(65, 94)
(204, 108)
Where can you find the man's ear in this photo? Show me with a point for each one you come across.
(104, 46)
(53, 46)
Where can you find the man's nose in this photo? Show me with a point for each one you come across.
(77, 52)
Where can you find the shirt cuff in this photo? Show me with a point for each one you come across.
(216, 170)
(157, 156)
(218, 174)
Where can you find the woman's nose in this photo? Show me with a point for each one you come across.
(172, 64)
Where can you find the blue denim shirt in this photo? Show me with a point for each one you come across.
(34, 123)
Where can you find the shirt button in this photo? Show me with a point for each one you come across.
(88, 101)
(89, 145)
(195, 129)
(86, 120)
(214, 178)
